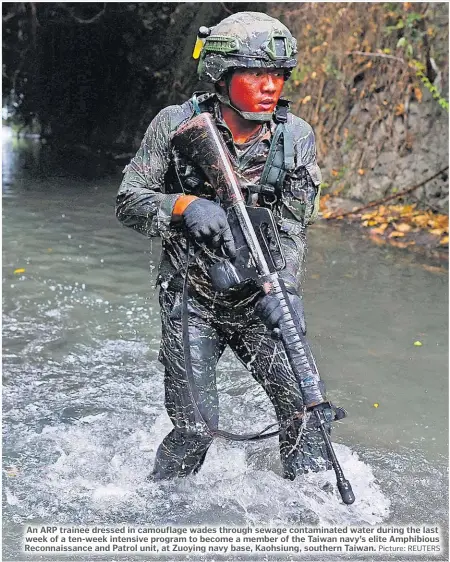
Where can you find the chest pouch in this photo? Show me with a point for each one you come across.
(280, 159)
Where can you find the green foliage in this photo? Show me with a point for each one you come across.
(420, 73)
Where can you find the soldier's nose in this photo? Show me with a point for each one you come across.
(268, 85)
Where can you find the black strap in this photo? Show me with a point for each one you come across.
(281, 157)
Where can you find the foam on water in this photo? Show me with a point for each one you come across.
(95, 469)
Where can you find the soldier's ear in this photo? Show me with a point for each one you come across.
(221, 87)
(224, 82)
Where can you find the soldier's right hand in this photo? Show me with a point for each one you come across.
(206, 222)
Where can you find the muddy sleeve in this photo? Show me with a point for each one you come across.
(305, 181)
(141, 202)
(294, 250)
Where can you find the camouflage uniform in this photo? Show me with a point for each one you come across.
(153, 181)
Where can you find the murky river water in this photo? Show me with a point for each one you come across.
(83, 391)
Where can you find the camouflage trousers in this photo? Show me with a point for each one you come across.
(183, 450)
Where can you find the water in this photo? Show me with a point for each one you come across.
(83, 390)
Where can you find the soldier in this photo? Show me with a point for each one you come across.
(248, 57)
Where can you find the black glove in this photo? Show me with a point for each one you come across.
(207, 223)
(268, 309)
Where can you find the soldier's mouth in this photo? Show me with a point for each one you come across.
(266, 105)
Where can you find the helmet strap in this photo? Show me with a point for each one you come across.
(261, 117)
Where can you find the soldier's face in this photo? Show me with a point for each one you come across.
(256, 90)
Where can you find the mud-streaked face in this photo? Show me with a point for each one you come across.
(256, 90)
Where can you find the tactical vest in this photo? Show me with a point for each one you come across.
(280, 159)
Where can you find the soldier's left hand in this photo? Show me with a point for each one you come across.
(268, 309)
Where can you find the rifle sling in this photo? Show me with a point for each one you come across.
(199, 417)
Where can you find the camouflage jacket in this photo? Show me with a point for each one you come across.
(158, 175)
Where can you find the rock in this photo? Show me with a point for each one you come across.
(401, 160)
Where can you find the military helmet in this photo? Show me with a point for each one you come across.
(245, 40)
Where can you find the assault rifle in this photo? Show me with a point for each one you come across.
(259, 257)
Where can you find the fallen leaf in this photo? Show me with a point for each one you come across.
(444, 241)
(361, 171)
(376, 405)
(434, 268)
(396, 234)
(380, 229)
(402, 227)
(418, 94)
(378, 240)
(19, 270)
(398, 244)
(437, 231)
(407, 209)
(421, 220)
(417, 343)
(439, 221)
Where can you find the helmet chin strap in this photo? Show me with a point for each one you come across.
(260, 116)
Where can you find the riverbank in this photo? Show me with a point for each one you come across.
(400, 225)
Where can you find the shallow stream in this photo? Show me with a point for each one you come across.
(83, 406)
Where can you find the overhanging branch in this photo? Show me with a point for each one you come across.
(382, 55)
